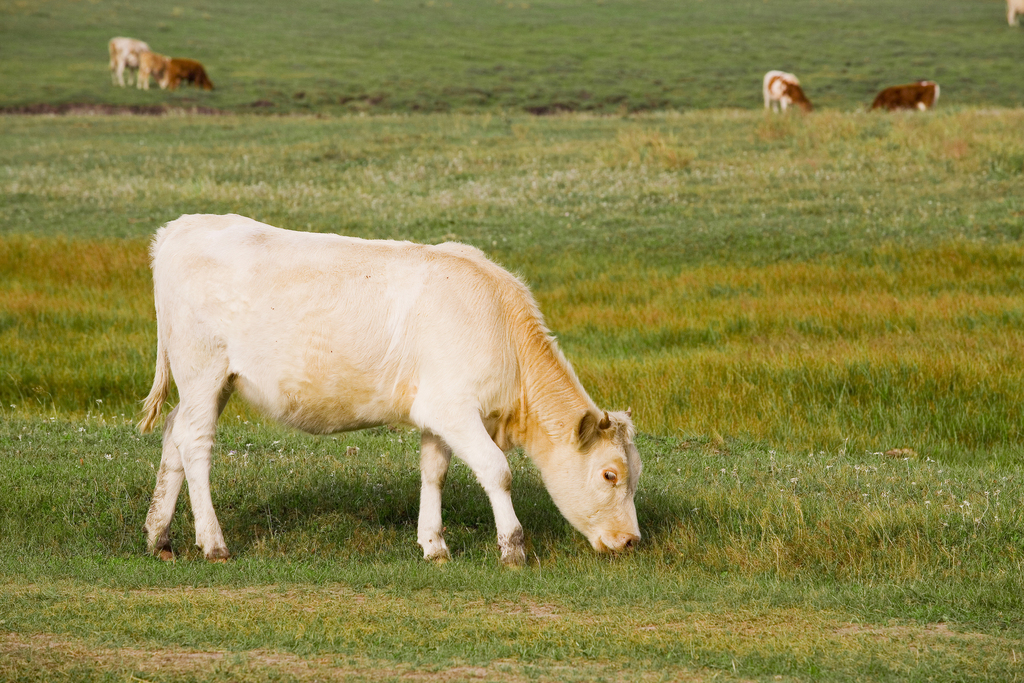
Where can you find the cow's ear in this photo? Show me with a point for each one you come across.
(588, 431)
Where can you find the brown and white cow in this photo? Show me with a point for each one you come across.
(917, 96)
(152, 64)
(1013, 8)
(185, 70)
(124, 54)
(783, 89)
(328, 333)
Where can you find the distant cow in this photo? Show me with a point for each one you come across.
(783, 89)
(187, 70)
(328, 333)
(124, 54)
(152, 64)
(919, 96)
(1013, 8)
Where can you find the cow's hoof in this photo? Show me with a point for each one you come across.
(219, 555)
(439, 558)
(514, 561)
(435, 549)
(163, 551)
(513, 549)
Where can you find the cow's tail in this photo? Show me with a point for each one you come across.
(161, 385)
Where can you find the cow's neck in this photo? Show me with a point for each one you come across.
(552, 401)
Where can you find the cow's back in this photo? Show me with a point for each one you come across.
(329, 333)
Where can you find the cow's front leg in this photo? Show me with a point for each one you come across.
(471, 442)
(165, 495)
(434, 460)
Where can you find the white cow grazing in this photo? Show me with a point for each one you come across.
(783, 89)
(328, 333)
(1013, 8)
(124, 54)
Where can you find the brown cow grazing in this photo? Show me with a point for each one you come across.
(920, 96)
(124, 54)
(1013, 8)
(152, 64)
(783, 89)
(188, 70)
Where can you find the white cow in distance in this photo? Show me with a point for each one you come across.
(328, 333)
(1013, 8)
(124, 54)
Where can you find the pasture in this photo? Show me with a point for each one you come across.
(817, 321)
(781, 301)
(608, 56)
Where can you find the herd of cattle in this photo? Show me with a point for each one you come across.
(129, 54)
(782, 90)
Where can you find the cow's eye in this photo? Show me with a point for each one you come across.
(609, 475)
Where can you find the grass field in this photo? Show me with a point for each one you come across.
(817, 320)
(780, 300)
(841, 280)
(540, 56)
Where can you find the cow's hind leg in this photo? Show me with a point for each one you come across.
(165, 496)
(195, 424)
(469, 439)
(434, 460)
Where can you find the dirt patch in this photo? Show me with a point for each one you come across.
(938, 631)
(45, 109)
(23, 654)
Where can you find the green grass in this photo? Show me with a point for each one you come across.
(542, 56)
(781, 300)
(816, 319)
(838, 279)
(755, 564)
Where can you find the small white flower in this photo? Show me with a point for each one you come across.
(794, 480)
(108, 456)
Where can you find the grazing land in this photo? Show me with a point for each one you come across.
(839, 280)
(817, 320)
(541, 56)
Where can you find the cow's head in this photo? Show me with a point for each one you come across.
(594, 478)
